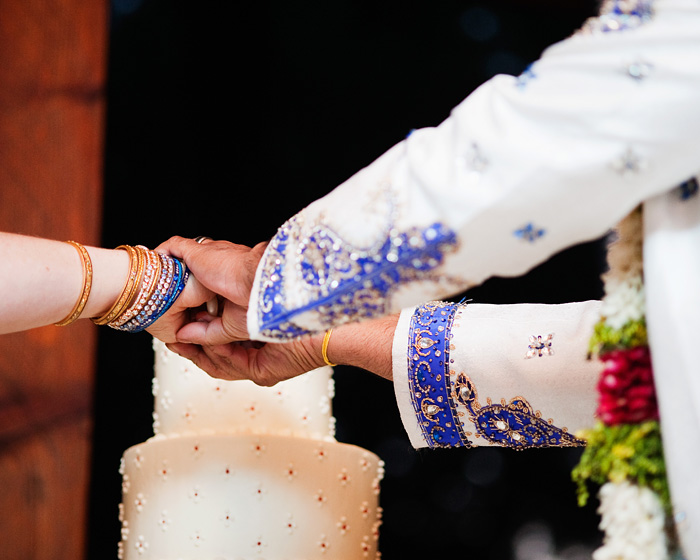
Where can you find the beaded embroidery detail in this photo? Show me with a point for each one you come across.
(688, 189)
(514, 424)
(525, 77)
(639, 70)
(344, 283)
(529, 232)
(619, 15)
(429, 374)
(629, 164)
(473, 162)
(442, 398)
(540, 346)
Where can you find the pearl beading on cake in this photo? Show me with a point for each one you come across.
(269, 505)
(240, 471)
(187, 401)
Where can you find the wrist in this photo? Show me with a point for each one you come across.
(110, 271)
(366, 345)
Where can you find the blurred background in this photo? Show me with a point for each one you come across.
(224, 119)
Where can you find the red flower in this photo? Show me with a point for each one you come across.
(626, 387)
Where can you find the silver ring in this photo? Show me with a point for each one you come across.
(201, 238)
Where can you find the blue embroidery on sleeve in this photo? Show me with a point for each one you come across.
(688, 189)
(529, 232)
(429, 375)
(540, 346)
(526, 76)
(620, 15)
(445, 401)
(342, 283)
(514, 424)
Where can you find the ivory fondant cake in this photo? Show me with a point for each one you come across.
(239, 471)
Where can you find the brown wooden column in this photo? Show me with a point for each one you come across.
(52, 81)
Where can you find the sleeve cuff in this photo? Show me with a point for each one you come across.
(508, 375)
(400, 376)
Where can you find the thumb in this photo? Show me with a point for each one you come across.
(215, 331)
(203, 333)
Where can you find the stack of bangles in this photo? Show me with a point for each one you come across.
(153, 284)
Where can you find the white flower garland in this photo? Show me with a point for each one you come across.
(632, 517)
(633, 520)
(623, 282)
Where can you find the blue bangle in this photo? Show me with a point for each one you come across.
(180, 278)
(153, 304)
(174, 276)
(166, 298)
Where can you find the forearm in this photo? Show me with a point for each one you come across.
(42, 279)
(366, 345)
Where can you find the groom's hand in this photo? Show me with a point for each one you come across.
(227, 269)
(181, 312)
(263, 363)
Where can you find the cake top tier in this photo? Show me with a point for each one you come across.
(188, 400)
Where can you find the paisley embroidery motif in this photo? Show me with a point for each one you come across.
(444, 401)
(514, 424)
(340, 282)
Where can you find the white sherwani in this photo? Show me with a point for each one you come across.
(524, 167)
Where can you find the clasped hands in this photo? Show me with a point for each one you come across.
(220, 344)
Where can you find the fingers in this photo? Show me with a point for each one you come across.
(224, 267)
(213, 306)
(213, 302)
(195, 293)
(216, 267)
(264, 365)
(177, 246)
(201, 359)
(213, 331)
(206, 334)
(228, 361)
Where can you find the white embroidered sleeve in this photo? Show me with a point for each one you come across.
(508, 375)
(524, 167)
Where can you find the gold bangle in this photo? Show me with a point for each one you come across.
(144, 270)
(324, 348)
(143, 289)
(129, 287)
(87, 285)
(131, 304)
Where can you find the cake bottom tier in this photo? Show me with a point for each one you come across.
(219, 497)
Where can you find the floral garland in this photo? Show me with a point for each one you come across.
(624, 454)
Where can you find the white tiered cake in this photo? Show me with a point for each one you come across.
(239, 471)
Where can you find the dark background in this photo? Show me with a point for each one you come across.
(224, 119)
